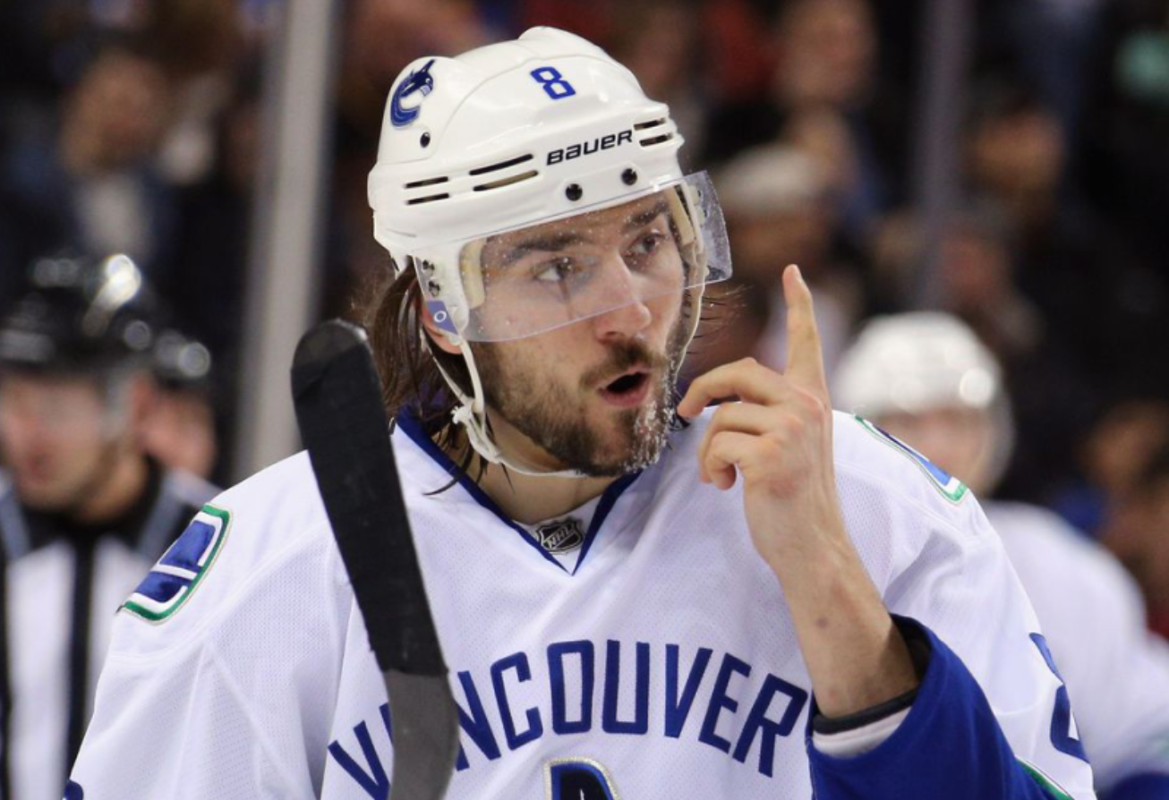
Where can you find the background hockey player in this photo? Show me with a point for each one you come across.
(631, 606)
(182, 429)
(83, 511)
(925, 378)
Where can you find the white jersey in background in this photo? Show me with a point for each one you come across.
(1092, 613)
(61, 587)
(659, 661)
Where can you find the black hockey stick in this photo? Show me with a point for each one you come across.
(343, 424)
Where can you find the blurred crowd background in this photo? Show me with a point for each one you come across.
(135, 126)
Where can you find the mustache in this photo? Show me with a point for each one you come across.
(622, 358)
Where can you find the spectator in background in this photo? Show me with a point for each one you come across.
(206, 282)
(826, 82)
(84, 512)
(779, 208)
(1117, 450)
(1070, 262)
(381, 37)
(94, 187)
(44, 49)
(978, 284)
(1017, 154)
(199, 44)
(825, 88)
(1138, 532)
(926, 379)
(659, 41)
(1051, 43)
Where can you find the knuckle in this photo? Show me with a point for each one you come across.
(791, 426)
(772, 446)
(718, 420)
(814, 404)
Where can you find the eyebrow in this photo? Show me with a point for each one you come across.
(554, 243)
(647, 216)
(551, 243)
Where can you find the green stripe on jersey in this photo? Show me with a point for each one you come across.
(1049, 786)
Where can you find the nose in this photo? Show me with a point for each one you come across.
(627, 314)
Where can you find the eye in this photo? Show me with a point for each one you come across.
(554, 271)
(646, 244)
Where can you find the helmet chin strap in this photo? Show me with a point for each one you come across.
(471, 413)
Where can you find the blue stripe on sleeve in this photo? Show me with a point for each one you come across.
(1146, 786)
(950, 745)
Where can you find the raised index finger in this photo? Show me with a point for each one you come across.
(805, 361)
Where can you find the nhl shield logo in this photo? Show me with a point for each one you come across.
(561, 535)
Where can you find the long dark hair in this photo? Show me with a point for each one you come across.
(407, 361)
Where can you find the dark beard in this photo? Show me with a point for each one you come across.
(553, 418)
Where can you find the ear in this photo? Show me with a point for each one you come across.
(143, 397)
(438, 337)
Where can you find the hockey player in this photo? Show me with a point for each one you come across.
(181, 432)
(925, 378)
(83, 512)
(769, 601)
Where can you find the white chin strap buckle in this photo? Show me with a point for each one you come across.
(475, 424)
(476, 427)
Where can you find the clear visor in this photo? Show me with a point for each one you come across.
(530, 280)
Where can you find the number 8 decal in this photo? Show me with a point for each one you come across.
(554, 84)
(1061, 720)
(578, 779)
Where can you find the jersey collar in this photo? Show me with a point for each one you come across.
(410, 426)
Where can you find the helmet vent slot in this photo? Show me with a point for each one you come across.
(427, 182)
(415, 201)
(665, 137)
(653, 123)
(508, 181)
(501, 165)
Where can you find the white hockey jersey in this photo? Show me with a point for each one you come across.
(660, 663)
(1092, 614)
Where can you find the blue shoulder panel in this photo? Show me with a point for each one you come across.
(1145, 786)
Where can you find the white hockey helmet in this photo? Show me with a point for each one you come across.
(514, 135)
(926, 361)
(916, 362)
(545, 130)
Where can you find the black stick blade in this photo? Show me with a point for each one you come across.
(343, 423)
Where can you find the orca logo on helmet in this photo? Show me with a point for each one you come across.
(417, 81)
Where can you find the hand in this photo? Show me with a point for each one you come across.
(778, 436)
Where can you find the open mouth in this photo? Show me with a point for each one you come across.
(627, 390)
